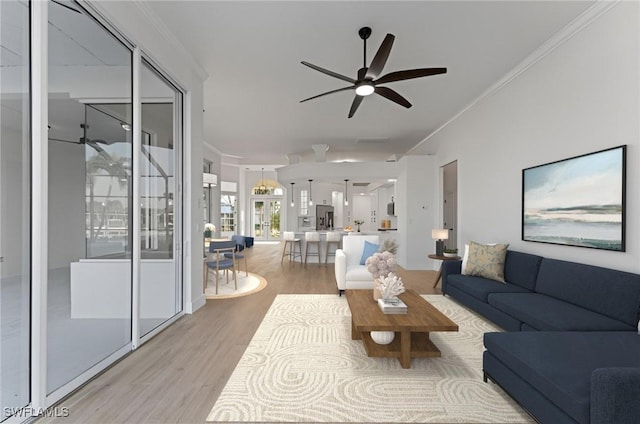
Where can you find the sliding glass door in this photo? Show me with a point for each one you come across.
(89, 317)
(160, 282)
(15, 287)
(72, 299)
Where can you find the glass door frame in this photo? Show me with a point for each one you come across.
(267, 200)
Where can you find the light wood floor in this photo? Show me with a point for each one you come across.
(177, 376)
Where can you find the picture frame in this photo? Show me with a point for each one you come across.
(579, 201)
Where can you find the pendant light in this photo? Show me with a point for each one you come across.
(292, 196)
(262, 189)
(310, 197)
(346, 197)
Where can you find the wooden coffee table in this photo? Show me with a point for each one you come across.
(412, 329)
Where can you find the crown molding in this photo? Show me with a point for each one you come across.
(572, 28)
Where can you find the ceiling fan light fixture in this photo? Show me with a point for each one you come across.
(369, 81)
(365, 89)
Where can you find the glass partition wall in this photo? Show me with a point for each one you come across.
(90, 156)
(50, 345)
(15, 288)
(160, 288)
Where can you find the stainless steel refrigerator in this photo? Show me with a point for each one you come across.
(324, 217)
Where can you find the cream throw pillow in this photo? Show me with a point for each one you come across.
(486, 260)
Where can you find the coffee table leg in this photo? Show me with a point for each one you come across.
(355, 334)
(405, 349)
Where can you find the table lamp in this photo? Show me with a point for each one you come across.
(440, 235)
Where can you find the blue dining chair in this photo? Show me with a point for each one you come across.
(239, 253)
(218, 249)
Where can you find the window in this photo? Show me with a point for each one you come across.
(304, 202)
(228, 212)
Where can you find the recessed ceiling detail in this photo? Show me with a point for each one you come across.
(371, 140)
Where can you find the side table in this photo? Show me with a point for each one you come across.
(442, 258)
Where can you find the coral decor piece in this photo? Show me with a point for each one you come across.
(389, 245)
(390, 286)
(380, 264)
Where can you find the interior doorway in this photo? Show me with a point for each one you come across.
(450, 203)
(265, 217)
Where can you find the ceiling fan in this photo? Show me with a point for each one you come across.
(368, 82)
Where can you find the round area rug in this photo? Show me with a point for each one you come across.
(247, 285)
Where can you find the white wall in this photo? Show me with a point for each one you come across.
(415, 210)
(581, 97)
(361, 209)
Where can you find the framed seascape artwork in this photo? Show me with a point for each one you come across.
(578, 201)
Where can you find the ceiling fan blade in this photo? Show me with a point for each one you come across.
(328, 72)
(410, 74)
(393, 96)
(380, 59)
(329, 92)
(355, 105)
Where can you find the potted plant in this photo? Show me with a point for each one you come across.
(358, 223)
(450, 253)
(209, 229)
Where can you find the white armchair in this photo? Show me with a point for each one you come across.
(349, 273)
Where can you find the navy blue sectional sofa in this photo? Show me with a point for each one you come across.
(571, 353)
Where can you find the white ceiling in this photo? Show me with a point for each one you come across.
(252, 53)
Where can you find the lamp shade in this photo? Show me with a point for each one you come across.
(210, 179)
(440, 234)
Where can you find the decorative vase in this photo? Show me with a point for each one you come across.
(376, 291)
(382, 337)
(358, 227)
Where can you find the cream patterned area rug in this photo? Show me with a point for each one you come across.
(302, 366)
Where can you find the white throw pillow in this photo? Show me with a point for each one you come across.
(465, 259)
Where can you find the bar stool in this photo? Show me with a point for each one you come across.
(333, 237)
(291, 241)
(311, 237)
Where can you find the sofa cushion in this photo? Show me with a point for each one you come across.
(359, 273)
(486, 260)
(480, 288)
(560, 364)
(548, 314)
(522, 268)
(613, 293)
(369, 250)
